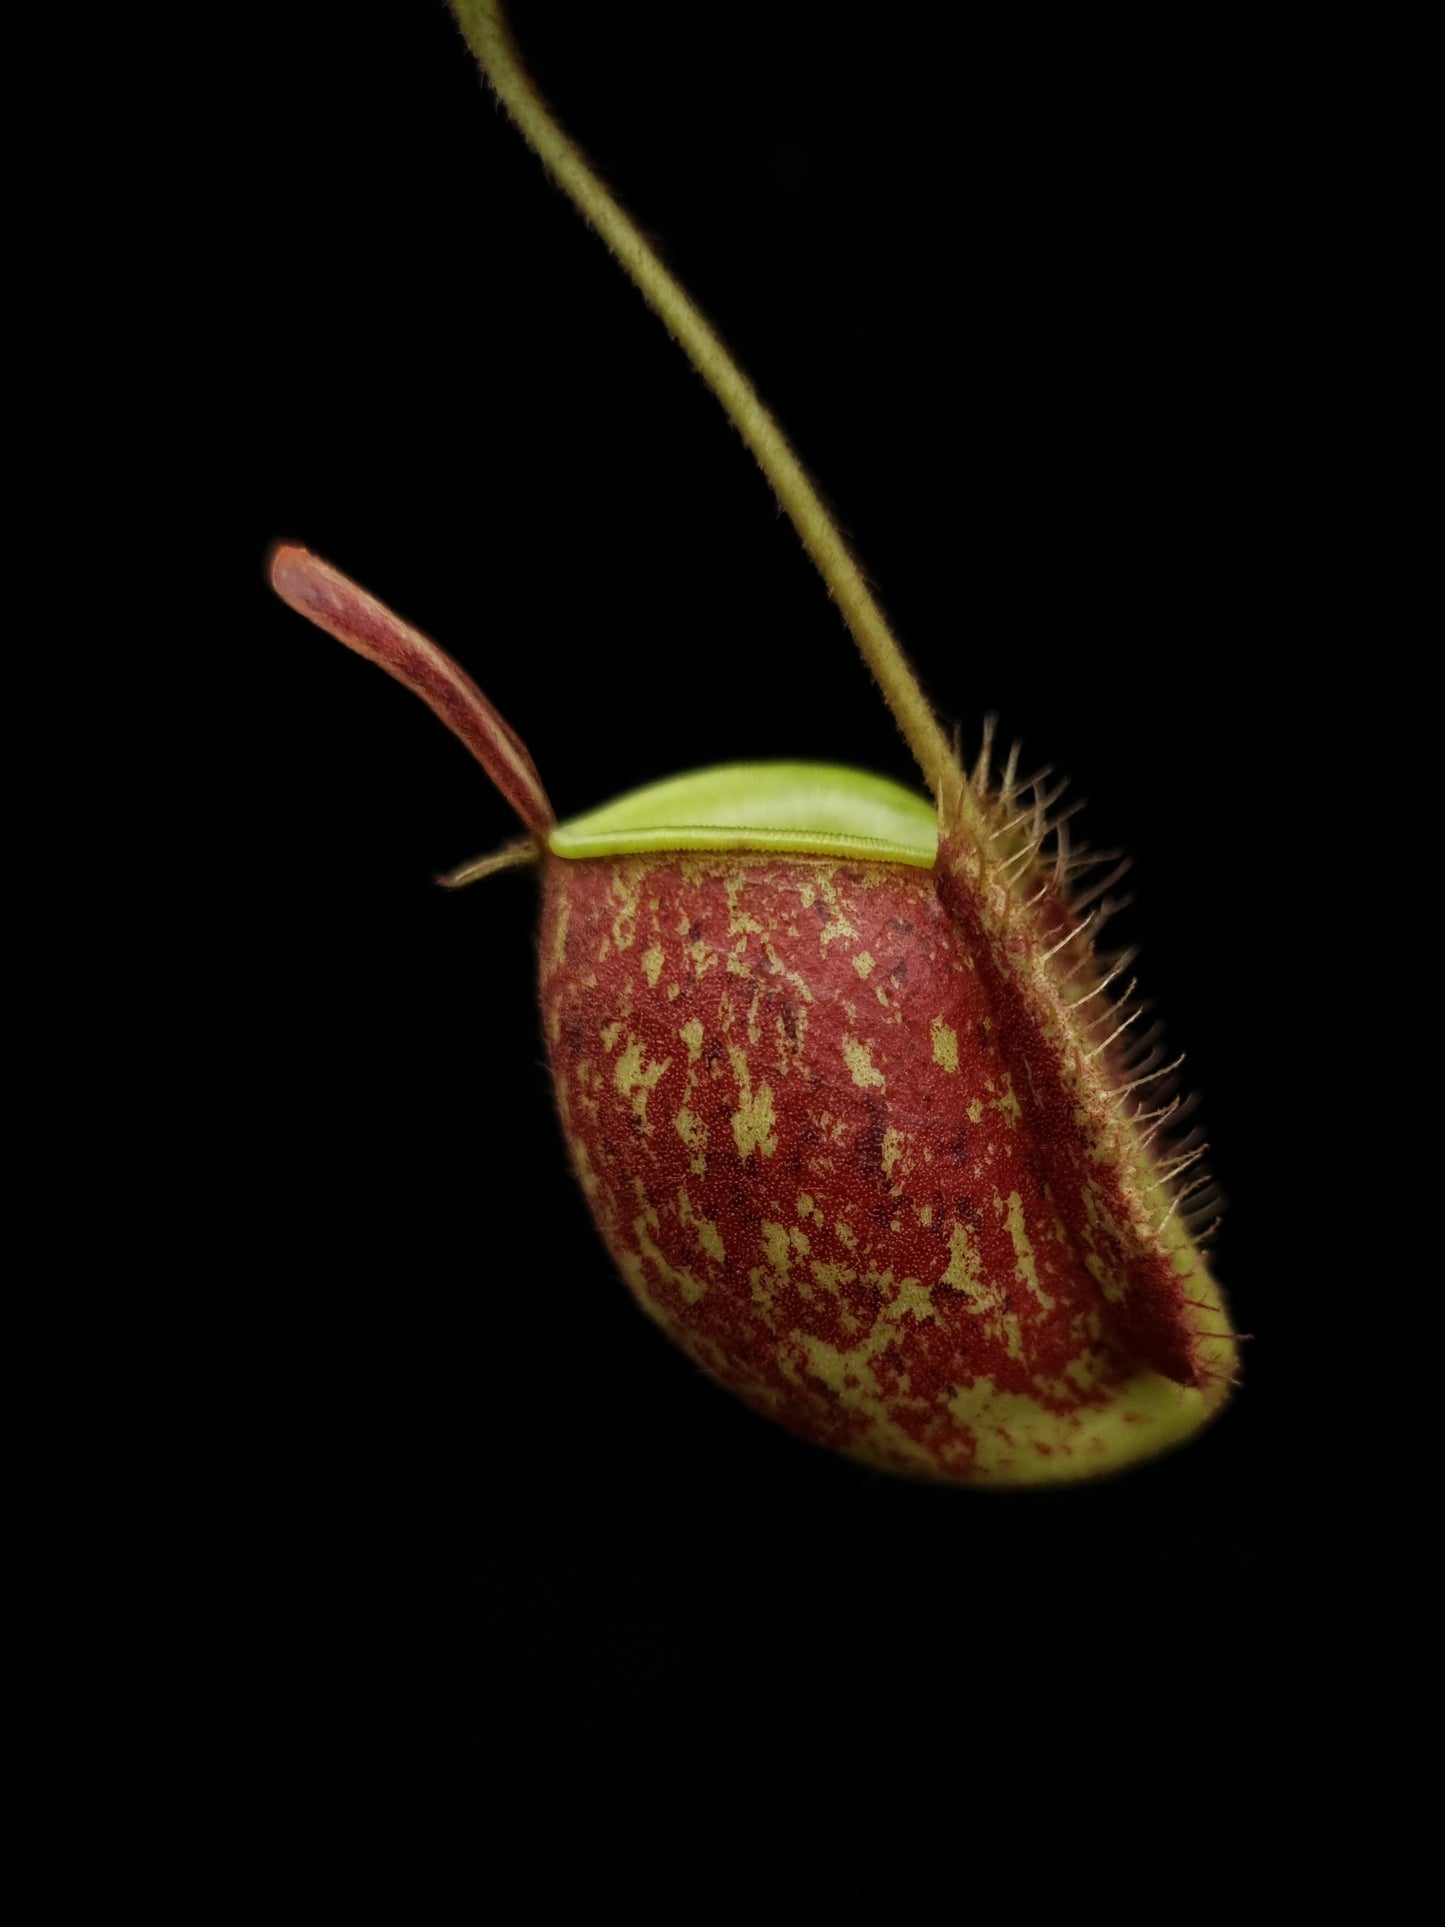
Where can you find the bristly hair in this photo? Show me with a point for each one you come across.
(1033, 853)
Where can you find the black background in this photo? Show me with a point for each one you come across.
(1014, 295)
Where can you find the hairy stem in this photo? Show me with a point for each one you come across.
(485, 28)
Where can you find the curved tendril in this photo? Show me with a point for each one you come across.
(484, 26)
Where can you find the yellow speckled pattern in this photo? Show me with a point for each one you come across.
(833, 1187)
